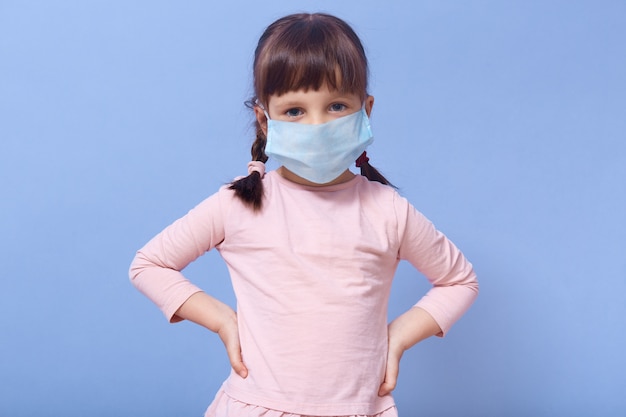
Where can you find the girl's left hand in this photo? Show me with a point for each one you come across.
(393, 368)
(411, 327)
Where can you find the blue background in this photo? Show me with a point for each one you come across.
(504, 122)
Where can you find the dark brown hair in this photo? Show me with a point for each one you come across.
(303, 51)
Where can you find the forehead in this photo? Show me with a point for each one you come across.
(323, 96)
(284, 79)
(284, 65)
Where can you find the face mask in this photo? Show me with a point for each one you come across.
(319, 153)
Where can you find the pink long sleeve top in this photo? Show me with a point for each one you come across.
(312, 273)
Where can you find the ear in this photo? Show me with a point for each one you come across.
(260, 118)
(369, 103)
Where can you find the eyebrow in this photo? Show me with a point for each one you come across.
(289, 103)
(299, 102)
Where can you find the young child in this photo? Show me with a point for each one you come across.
(311, 247)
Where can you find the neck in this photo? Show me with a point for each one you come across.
(346, 176)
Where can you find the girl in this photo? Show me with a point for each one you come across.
(311, 247)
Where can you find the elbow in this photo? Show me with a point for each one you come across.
(137, 265)
(473, 287)
(471, 283)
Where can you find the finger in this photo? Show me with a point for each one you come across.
(391, 377)
(236, 361)
(230, 337)
(240, 368)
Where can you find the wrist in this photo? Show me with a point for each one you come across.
(227, 318)
(410, 328)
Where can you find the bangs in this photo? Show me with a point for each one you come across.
(308, 55)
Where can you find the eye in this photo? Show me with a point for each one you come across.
(295, 112)
(338, 107)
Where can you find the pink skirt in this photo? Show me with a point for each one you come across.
(225, 406)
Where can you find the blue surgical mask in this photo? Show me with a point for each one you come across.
(319, 153)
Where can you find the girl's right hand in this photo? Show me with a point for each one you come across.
(229, 333)
(218, 317)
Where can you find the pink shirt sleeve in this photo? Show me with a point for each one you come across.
(455, 286)
(156, 268)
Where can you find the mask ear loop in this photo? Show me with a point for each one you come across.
(258, 103)
(364, 110)
(363, 158)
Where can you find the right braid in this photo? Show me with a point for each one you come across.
(250, 189)
(258, 147)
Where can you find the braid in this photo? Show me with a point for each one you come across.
(370, 172)
(250, 189)
(258, 147)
